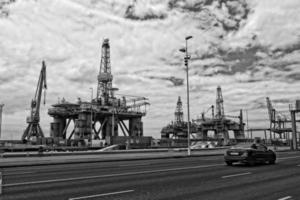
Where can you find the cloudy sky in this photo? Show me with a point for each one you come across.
(249, 47)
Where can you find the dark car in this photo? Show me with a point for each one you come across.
(256, 153)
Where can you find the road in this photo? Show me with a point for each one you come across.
(168, 179)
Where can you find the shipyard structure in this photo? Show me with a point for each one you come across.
(108, 117)
(219, 124)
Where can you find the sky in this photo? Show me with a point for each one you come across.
(251, 48)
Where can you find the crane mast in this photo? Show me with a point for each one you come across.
(33, 129)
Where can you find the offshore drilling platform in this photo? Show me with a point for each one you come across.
(219, 124)
(106, 109)
(177, 129)
(101, 119)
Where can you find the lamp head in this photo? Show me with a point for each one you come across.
(182, 50)
(188, 37)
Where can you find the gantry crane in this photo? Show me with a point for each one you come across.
(33, 129)
(278, 120)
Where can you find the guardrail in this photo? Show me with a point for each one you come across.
(40, 154)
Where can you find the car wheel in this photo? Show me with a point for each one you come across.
(251, 162)
(228, 163)
(272, 162)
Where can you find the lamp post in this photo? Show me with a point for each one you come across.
(186, 63)
(91, 111)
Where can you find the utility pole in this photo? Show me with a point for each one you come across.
(113, 122)
(186, 62)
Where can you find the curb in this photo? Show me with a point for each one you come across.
(96, 160)
(11, 165)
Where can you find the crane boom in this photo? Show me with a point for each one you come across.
(42, 84)
(33, 128)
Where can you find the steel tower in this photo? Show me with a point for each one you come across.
(219, 104)
(179, 112)
(105, 89)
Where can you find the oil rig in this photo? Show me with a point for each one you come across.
(177, 129)
(219, 124)
(100, 119)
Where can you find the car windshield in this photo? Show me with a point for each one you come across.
(242, 146)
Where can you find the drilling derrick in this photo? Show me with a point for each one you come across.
(219, 104)
(33, 129)
(105, 91)
(179, 112)
(104, 117)
(178, 128)
(220, 123)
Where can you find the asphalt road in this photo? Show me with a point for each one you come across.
(175, 178)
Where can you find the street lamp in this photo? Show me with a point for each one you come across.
(91, 111)
(186, 63)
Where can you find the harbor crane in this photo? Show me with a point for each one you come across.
(278, 121)
(212, 108)
(33, 129)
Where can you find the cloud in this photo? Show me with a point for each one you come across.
(250, 48)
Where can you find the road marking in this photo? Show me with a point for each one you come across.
(144, 164)
(233, 175)
(101, 195)
(110, 175)
(288, 157)
(20, 173)
(285, 198)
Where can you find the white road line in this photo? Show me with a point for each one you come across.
(233, 175)
(285, 198)
(101, 195)
(110, 175)
(285, 158)
(19, 173)
(144, 164)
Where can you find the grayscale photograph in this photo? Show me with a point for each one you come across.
(149, 99)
